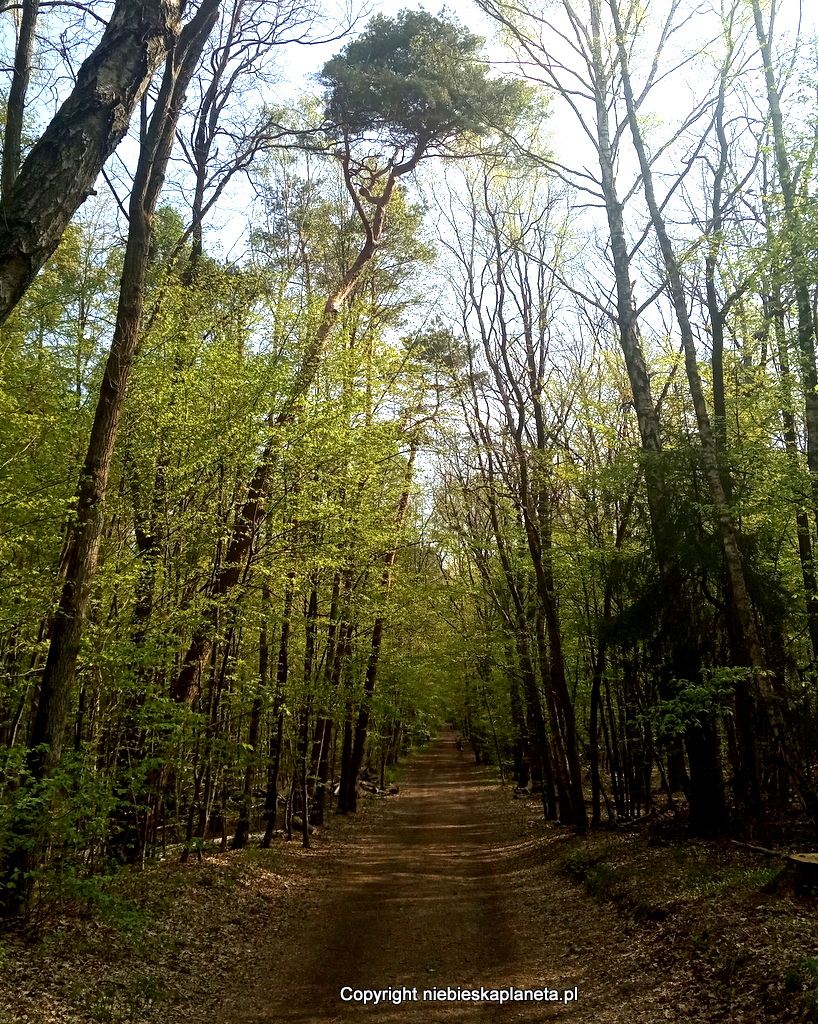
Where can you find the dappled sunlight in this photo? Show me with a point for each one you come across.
(422, 903)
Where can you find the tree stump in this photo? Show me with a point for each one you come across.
(801, 873)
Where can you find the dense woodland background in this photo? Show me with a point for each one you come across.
(503, 411)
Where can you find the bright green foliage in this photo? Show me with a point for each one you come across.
(464, 461)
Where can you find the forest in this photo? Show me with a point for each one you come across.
(472, 381)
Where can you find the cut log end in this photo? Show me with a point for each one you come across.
(800, 874)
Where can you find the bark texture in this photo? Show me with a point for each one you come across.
(59, 173)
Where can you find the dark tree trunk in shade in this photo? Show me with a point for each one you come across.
(277, 739)
(349, 781)
(243, 826)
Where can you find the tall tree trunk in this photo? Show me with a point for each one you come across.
(752, 652)
(243, 826)
(85, 531)
(16, 105)
(277, 740)
(798, 264)
(552, 769)
(774, 311)
(338, 634)
(59, 173)
(249, 517)
(806, 331)
(534, 507)
(303, 766)
(349, 782)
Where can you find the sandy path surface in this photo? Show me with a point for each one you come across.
(441, 892)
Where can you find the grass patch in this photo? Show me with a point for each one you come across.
(578, 864)
(711, 882)
(801, 978)
(256, 856)
(605, 880)
(649, 883)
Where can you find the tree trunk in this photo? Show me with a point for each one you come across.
(738, 591)
(349, 782)
(277, 741)
(250, 515)
(85, 532)
(59, 173)
(798, 262)
(802, 522)
(243, 826)
(16, 105)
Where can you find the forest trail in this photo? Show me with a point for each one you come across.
(439, 891)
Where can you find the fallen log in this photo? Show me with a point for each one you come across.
(760, 849)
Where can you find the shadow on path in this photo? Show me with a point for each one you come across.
(420, 903)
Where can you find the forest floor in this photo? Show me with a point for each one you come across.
(450, 884)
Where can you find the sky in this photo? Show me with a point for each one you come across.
(304, 61)
(668, 106)
(301, 63)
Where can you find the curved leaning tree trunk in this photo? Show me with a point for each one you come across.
(59, 173)
(369, 113)
(187, 683)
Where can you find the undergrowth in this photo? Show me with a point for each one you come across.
(745, 940)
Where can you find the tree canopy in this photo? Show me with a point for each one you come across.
(415, 78)
(525, 444)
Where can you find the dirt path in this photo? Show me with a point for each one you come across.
(451, 884)
(442, 890)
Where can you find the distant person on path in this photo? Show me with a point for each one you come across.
(459, 742)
